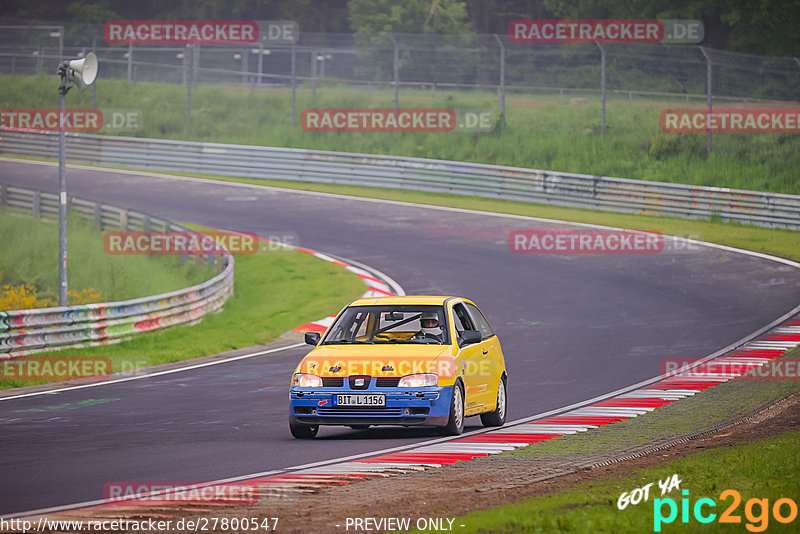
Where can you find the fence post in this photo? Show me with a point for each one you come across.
(189, 76)
(3, 192)
(313, 73)
(797, 60)
(602, 87)
(260, 61)
(294, 82)
(708, 96)
(184, 58)
(502, 88)
(37, 204)
(396, 72)
(245, 69)
(130, 62)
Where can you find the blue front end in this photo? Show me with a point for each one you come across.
(425, 406)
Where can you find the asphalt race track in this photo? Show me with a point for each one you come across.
(572, 327)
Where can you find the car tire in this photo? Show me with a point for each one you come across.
(498, 416)
(303, 431)
(455, 423)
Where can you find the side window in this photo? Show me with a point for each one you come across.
(462, 320)
(483, 324)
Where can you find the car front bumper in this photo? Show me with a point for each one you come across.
(426, 406)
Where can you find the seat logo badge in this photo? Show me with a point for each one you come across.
(359, 382)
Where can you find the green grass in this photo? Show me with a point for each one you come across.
(273, 293)
(765, 469)
(30, 255)
(542, 132)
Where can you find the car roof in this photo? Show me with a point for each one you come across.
(429, 300)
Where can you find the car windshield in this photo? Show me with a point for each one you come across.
(389, 324)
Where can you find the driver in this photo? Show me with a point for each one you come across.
(429, 321)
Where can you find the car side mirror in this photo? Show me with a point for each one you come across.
(470, 336)
(312, 338)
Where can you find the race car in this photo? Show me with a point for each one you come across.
(403, 360)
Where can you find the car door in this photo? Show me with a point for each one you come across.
(469, 360)
(492, 365)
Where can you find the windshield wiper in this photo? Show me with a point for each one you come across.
(348, 341)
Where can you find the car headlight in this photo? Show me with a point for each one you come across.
(305, 380)
(419, 380)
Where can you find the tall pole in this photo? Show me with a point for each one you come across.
(62, 197)
(94, 85)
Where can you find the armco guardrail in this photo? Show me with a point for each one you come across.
(493, 181)
(27, 331)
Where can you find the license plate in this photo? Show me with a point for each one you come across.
(361, 400)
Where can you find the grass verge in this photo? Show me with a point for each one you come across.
(33, 260)
(543, 132)
(765, 469)
(273, 292)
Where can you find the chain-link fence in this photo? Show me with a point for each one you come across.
(428, 62)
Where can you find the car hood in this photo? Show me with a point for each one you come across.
(373, 360)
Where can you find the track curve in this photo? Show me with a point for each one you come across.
(572, 327)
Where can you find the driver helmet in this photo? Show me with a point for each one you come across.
(430, 323)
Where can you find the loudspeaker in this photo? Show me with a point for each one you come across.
(84, 71)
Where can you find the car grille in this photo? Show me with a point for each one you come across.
(387, 382)
(333, 382)
(356, 411)
(365, 378)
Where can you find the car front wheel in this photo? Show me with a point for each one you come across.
(455, 424)
(303, 431)
(498, 416)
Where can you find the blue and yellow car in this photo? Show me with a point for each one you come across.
(407, 360)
